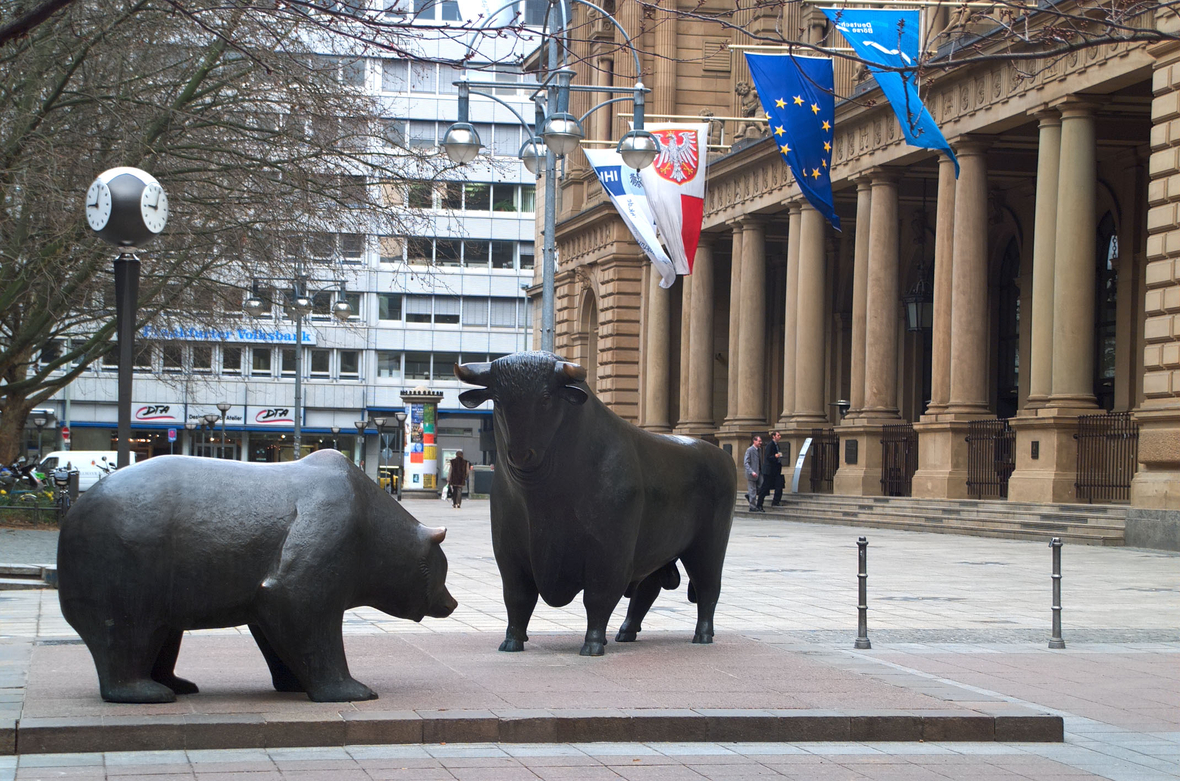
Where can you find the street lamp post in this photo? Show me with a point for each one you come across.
(335, 436)
(224, 407)
(211, 419)
(400, 416)
(380, 424)
(561, 133)
(190, 427)
(361, 425)
(39, 421)
(126, 207)
(298, 306)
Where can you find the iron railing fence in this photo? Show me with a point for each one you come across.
(991, 458)
(1108, 455)
(899, 459)
(825, 459)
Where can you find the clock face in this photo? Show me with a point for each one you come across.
(153, 206)
(98, 205)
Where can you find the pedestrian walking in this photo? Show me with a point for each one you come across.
(772, 472)
(753, 465)
(457, 478)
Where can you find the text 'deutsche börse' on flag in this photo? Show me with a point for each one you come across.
(890, 38)
(797, 94)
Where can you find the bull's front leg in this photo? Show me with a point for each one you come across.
(599, 606)
(520, 598)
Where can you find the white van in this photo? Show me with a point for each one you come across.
(86, 461)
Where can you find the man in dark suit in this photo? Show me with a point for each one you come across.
(772, 471)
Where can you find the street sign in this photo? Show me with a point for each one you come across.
(65, 433)
(171, 435)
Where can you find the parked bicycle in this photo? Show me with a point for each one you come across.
(61, 483)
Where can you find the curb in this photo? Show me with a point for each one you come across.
(171, 732)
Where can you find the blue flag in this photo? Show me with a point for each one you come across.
(890, 38)
(798, 96)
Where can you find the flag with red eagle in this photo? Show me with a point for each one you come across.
(675, 186)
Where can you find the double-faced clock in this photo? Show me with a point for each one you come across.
(126, 207)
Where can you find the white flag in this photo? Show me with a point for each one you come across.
(625, 189)
(675, 185)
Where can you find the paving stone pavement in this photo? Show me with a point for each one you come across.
(959, 617)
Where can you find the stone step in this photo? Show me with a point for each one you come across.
(979, 505)
(1069, 522)
(27, 576)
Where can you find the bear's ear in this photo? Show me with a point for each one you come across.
(573, 394)
(474, 397)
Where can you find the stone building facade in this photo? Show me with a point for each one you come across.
(1053, 261)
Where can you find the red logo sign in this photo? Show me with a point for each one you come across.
(677, 161)
(274, 415)
(154, 412)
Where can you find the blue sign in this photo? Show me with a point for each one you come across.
(171, 435)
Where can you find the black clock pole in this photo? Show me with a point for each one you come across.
(126, 298)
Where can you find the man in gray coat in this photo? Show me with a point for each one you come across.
(753, 465)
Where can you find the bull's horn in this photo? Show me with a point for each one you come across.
(437, 535)
(474, 373)
(573, 371)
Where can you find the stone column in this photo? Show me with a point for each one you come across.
(1154, 518)
(1046, 450)
(735, 307)
(809, 338)
(942, 435)
(860, 286)
(699, 419)
(969, 300)
(1074, 265)
(944, 243)
(752, 328)
(881, 306)
(860, 448)
(1040, 363)
(685, 348)
(790, 315)
(655, 364)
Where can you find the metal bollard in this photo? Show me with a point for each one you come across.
(1055, 641)
(862, 576)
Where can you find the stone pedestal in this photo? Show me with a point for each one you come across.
(942, 459)
(1051, 475)
(862, 478)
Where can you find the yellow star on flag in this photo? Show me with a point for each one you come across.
(798, 101)
(824, 163)
(784, 148)
(827, 146)
(827, 125)
(778, 131)
(814, 173)
(814, 109)
(780, 103)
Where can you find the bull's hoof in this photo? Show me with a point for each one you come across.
(592, 649)
(343, 691)
(702, 639)
(626, 636)
(138, 691)
(512, 644)
(287, 682)
(178, 685)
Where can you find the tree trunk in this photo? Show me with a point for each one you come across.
(12, 426)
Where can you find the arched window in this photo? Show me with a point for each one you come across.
(1105, 308)
(1008, 328)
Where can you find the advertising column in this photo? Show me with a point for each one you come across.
(420, 463)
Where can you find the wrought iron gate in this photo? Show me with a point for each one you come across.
(991, 458)
(1108, 455)
(899, 459)
(825, 458)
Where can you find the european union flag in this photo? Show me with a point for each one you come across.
(890, 38)
(797, 94)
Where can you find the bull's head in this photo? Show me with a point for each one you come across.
(531, 393)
